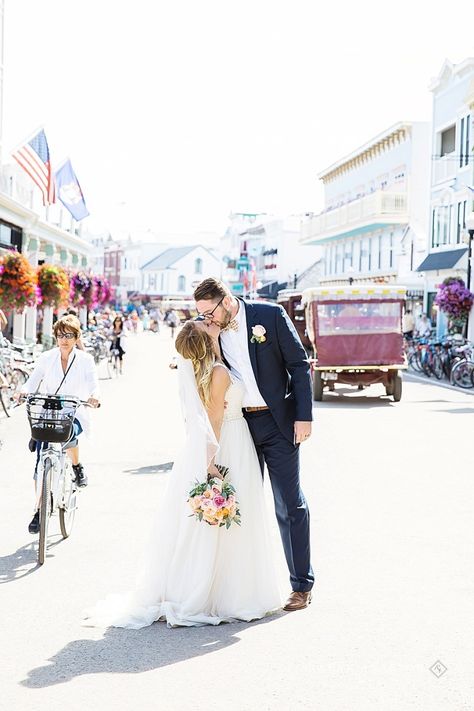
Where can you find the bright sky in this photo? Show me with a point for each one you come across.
(176, 113)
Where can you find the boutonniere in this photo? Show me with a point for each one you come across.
(258, 334)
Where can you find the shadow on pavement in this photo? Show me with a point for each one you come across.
(134, 651)
(459, 411)
(25, 560)
(18, 564)
(151, 469)
(356, 399)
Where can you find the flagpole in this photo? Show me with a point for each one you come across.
(2, 72)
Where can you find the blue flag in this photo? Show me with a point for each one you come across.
(69, 191)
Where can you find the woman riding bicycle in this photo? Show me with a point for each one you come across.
(118, 336)
(69, 371)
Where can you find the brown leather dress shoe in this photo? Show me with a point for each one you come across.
(298, 601)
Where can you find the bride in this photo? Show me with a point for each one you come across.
(195, 574)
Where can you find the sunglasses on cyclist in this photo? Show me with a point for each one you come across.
(207, 316)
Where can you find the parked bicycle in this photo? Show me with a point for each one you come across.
(15, 367)
(51, 419)
(451, 357)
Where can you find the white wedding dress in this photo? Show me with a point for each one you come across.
(192, 573)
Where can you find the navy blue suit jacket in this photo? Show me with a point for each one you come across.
(280, 365)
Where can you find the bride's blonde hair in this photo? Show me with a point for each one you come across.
(193, 343)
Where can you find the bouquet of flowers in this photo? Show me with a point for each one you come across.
(214, 502)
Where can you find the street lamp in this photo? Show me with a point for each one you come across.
(469, 236)
(470, 232)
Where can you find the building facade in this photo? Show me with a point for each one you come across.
(375, 219)
(175, 273)
(262, 254)
(42, 234)
(452, 181)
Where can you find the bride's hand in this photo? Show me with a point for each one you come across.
(214, 472)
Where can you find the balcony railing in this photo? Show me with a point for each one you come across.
(444, 168)
(379, 207)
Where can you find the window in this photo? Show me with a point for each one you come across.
(448, 141)
(390, 251)
(441, 226)
(198, 266)
(383, 181)
(339, 248)
(464, 141)
(379, 261)
(181, 283)
(461, 220)
(358, 318)
(361, 252)
(369, 255)
(162, 282)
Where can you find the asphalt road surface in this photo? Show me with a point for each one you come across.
(390, 487)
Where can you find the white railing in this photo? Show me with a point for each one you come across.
(379, 206)
(444, 168)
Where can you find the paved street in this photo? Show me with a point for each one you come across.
(391, 495)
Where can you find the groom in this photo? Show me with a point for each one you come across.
(262, 349)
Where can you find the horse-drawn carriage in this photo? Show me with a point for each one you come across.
(356, 333)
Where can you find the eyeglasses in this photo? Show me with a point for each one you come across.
(207, 316)
(68, 336)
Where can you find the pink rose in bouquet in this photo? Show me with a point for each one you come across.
(214, 502)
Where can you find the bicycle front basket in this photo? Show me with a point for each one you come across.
(50, 420)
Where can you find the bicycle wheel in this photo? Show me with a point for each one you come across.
(5, 400)
(68, 505)
(462, 374)
(437, 366)
(45, 510)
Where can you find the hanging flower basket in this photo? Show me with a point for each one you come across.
(54, 284)
(18, 286)
(455, 301)
(83, 290)
(103, 290)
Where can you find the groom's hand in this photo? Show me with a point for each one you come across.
(302, 431)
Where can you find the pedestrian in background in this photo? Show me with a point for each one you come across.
(118, 336)
(423, 327)
(408, 324)
(172, 319)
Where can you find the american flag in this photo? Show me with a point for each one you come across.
(33, 157)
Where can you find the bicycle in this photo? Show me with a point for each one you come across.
(462, 371)
(113, 363)
(51, 419)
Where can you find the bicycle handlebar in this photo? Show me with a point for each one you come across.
(64, 398)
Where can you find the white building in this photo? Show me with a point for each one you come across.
(178, 270)
(452, 180)
(134, 255)
(42, 234)
(374, 223)
(263, 252)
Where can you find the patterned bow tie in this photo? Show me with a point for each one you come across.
(231, 326)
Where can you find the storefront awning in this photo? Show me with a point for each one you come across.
(271, 289)
(441, 260)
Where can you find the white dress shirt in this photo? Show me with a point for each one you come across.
(235, 348)
(81, 380)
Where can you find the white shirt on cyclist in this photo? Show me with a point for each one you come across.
(81, 380)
